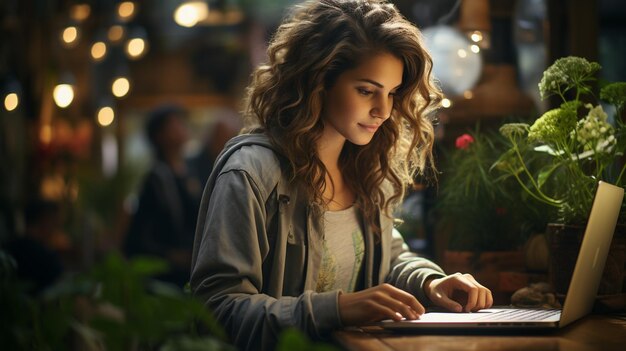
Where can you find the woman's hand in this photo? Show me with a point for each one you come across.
(377, 303)
(458, 292)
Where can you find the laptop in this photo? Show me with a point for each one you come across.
(580, 296)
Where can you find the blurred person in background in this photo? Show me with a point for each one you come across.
(164, 222)
(223, 128)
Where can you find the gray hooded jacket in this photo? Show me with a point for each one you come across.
(257, 251)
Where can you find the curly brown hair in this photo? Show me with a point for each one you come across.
(319, 41)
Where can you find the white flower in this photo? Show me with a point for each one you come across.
(594, 133)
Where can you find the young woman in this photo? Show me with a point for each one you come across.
(295, 226)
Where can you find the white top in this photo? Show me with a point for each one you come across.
(343, 251)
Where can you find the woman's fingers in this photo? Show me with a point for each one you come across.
(485, 299)
(398, 300)
(477, 294)
(377, 303)
(405, 298)
(444, 292)
(447, 303)
(384, 312)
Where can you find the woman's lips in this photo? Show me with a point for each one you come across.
(369, 127)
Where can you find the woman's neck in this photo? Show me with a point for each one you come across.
(337, 195)
(329, 147)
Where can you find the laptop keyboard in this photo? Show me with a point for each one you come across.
(518, 315)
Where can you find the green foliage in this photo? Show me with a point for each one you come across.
(100, 197)
(293, 339)
(113, 306)
(483, 211)
(577, 144)
(614, 93)
(566, 74)
(553, 125)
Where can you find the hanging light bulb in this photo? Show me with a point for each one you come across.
(63, 95)
(116, 33)
(80, 12)
(476, 36)
(98, 50)
(11, 101)
(190, 13)
(120, 87)
(126, 10)
(475, 22)
(105, 116)
(11, 94)
(63, 92)
(137, 45)
(69, 36)
(446, 103)
(135, 48)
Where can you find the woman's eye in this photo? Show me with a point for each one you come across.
(364, 92)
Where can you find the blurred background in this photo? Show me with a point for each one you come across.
(80, 79)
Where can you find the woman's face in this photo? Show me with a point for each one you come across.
(362, 99)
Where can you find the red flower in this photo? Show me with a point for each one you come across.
(464, 141)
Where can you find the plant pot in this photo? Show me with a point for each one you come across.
(564, 242)
(537, 253)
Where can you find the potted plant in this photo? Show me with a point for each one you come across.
(485, 219)
(559, 159)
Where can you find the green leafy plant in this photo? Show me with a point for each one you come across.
(480, 210)
(293, 339)
(576, 143)
(113, 306)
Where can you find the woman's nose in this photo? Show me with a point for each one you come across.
(382, 108)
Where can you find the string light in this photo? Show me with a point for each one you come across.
(11, 92)
(446, 103)
(80, 12)
(11, 101)
(475, 49)
(120, 87)
(98, 50)
(63, 95)
(135, 48)
(190, 13)
(69, 36)
(137, 45)
(106, 116)
(476, 36)
(116, 33)
(126, 10)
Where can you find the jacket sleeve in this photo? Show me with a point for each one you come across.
(408, 271)
(227, 274)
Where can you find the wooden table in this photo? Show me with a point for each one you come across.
(594, 332)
